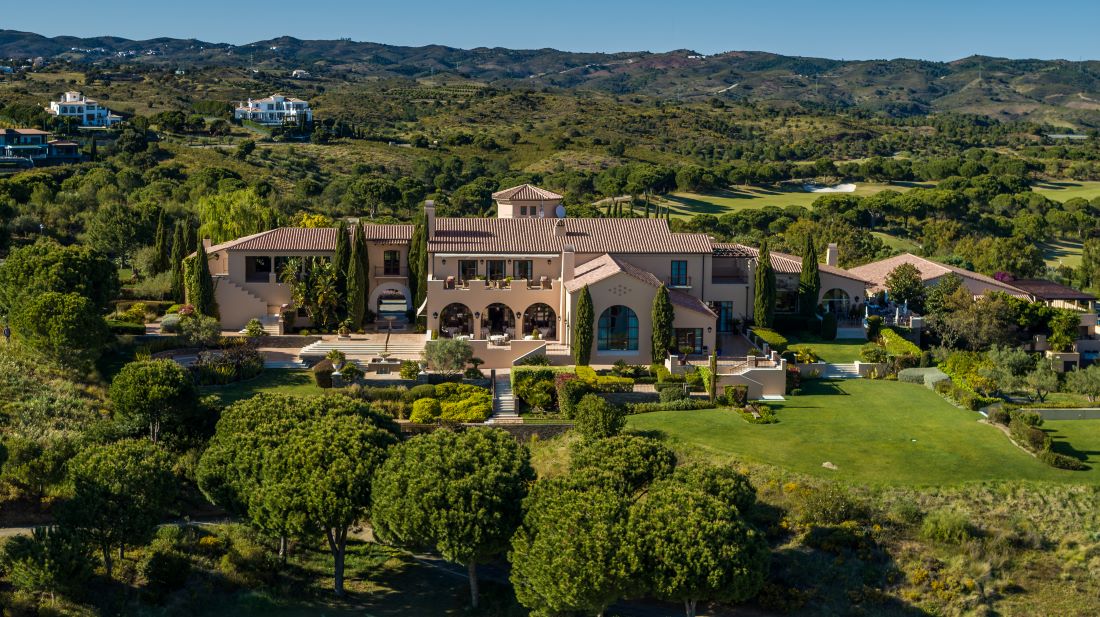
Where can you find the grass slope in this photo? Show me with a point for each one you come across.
(876, 432)
(273, 381)
(746, 196)
(1064, 191)
(1062, 252)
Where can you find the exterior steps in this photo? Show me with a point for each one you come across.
(362, 349)
(504, 403)
(841, 371)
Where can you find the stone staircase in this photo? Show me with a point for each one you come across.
(362, 349)
(295, 364)
(841, 371)
(504, 403)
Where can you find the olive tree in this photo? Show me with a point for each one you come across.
(448, 356)
(457, 493)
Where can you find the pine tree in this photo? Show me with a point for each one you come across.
(200, 285)
(663, 316)
(341, 259)
(764, 288)
(160, 245)
(809, 281)
(179, 252)
(582, 328)
(357, 279)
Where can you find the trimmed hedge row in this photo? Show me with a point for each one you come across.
(927, 376)
(897, 345)
(775, 340)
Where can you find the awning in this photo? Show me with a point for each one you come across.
(420, 311)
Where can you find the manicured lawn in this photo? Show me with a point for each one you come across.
(1063, 191)
(279, 381)
(1076, 438)
(752, 196)
(839, 351)
(1062, 252)
(904, 245)
(876, 432)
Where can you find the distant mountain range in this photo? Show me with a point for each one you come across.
(1056, 91)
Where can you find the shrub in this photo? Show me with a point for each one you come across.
(164, 570)
(126, 327)
(596, 418)
(828, 326)
(874, 327)
(947, 527)
(254, 329)
(873, 352)
(827, 504)
(926, 359)
(409, 369)
(134, 314)
(794, 379)
(539, 359)
(684, 404)
(775, 340)
(351, 373)
(999, 416)
(1061, 461)
(1026, 434)
(524, 380)
(322, 373)
(668, 395)
(170, 324)
(737, 395)
(661, 372)
(228, 365)
(764, 414)
(587, 373)
(415, 393)
(570, 390)
(426, 411)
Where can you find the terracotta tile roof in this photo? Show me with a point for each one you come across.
(876, 271)
(525, 192)
(606, 266)
(788, 264)
(311, 238)
(1045, 290)
(585, 235)
(26, 131)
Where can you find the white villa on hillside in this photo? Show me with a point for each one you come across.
(88, 111)
(274, 110)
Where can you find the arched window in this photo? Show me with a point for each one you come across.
(618, 330)
(540, 316)
(836, 301)
(456, 320)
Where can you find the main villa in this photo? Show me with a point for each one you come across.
(511, 284)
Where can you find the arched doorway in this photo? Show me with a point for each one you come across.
(392, 304)
(837, 301)
(618, 329)
(540, 316)
(498, 319)
(456, 320)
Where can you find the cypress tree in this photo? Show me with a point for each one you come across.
(357, 279)
(418, 263)
(200, 285)
(582, 328)
(607, 210)
(764, 288)
(179, 252)
(809, 281)
(161, 246)
(341, 257)
(663, 316)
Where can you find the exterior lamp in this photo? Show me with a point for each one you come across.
(477, 314)
(709, 329)
(444, 262)
(435, 315)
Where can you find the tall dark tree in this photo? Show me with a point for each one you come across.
(809, 281)
(418, 263)
(200, 285)
(175, 265)
(357, 278)
(582, 328)
(161, 245)
(663, 316)
(341, 257)
(764, 288)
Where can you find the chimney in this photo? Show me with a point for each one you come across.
(559, 228)
(832, 255)
(429, 218)
(568, 262)
(206, 244)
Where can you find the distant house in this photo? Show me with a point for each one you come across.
(274, 110)
(931, 272)
(35, 146)
(88, 112)
(300, 74)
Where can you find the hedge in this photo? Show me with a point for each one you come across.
(684, 404)
(896, 345)
(125, 327)
(604, 383)
(927, 376)
(775, 340)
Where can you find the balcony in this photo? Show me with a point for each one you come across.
(729, 279)
(391, 272)
(678, 282)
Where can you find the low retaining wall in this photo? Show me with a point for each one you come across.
(288, 341)
(1068, 414)
(522, 432)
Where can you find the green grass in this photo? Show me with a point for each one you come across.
(1064, 191)
(839, 351)
(904, 245)
(276, 381)
(1076, 438)
(876, 432)
(746, 196)
(1062, 252)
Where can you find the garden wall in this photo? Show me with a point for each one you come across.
(1068, 414)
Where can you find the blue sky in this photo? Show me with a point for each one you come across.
(849, 29)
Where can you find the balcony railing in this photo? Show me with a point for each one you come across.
(390, 271)
(678, 281)
(453, 283)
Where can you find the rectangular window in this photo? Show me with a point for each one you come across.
(257, 269)
(523, 210)
(786, 294)
(391, 263)
(522, 269)
(495, 269)
(467, 269)
(679, 276)
(691, 338)
(725, 315)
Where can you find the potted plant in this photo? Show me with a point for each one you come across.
(685, 350)
(337, 358)
(344, 331)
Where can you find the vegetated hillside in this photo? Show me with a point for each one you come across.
(1054, 91)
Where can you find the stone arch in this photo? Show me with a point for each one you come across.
(542, 316)
(456, 319)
